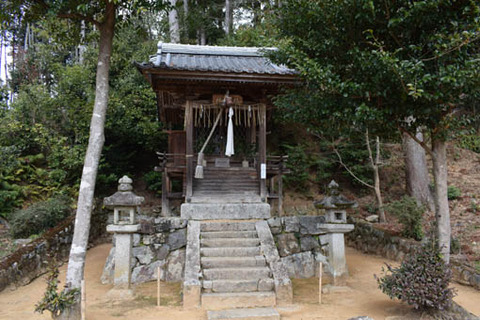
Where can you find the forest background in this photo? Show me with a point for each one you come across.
(47, 101)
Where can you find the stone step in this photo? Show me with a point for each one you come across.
(249, 273)
(233, 262)
(244, 285)
(227, 226)
(230, 252)
(230, 300)
(229, 242)
(244, 314)
(219, 199)
(229, 234)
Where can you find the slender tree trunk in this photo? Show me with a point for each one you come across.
(375, 163)
(185, 19)
(76, 262)
(440, 174)
(82, 47)
(416, 171)
(228, 16)
(173, 23)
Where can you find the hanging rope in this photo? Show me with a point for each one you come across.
(199, 168)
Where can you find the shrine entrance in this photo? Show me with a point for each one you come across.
(216, 104)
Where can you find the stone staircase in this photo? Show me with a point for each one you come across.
(237, 281)
(228, 185)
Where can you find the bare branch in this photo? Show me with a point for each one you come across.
(350, 171)
(78, 16)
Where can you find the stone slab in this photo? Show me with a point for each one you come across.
(244, 314)
(192, 284)
(237, 211)
(227, 300)
(236, 273)
(230, 242)
(229, 234)
(125, 228)
(227, 226)
(224, 262)
(230, 252)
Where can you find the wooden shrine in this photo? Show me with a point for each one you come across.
(201, 90)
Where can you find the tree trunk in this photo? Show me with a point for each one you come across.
(173, 23)
(416, 171)
(442, 212)
(228, 17)
(376, 176)
(76, 262)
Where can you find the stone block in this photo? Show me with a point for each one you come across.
(291, 224)
(147, 227)
(275, 225)
(147, 273)
(178, 223)
(308, 243)
(107, 274)
(287, 244)
(161, 251)
(143, 254)
(300, 265)
(310, 225)
(162, 225)
(177, 239)
(136, 239)
(175, 266)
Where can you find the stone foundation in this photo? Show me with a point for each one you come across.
(159, 243)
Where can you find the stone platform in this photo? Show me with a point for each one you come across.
(212, 211)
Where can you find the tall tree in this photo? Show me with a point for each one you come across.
(103, 15)
(395, 59)
(173, 23)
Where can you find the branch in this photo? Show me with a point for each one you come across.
(464, 42)
(78, 16)
(350, 171)
(420, 142)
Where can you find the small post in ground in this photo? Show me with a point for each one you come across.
(319, 283)
(158, 286)
(83, 302)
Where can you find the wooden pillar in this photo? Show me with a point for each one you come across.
(189, 149)
(280, 194)
(262, 149)
(165, 191)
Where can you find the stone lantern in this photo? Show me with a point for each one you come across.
(125, 205)
(335, 206)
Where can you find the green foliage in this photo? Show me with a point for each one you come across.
(453, 193)
(422, 280)
(40, 216)
(377, 63)
(298, 163)
(154, 181)
(410, 215)
(54, 301)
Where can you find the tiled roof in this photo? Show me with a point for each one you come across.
(216, 59)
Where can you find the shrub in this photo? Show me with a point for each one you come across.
(422, 280)
(40, 216)
(154, 181)
(54, 301)
(453, 192)
(410, 215)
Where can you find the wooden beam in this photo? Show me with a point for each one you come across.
(189, 150)
(165, 190)
(262, 150)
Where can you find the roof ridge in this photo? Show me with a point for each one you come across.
(211, 50)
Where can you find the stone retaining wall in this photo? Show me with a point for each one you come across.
(368, 239)
(30, 261)
(301, 244)
(160, 243)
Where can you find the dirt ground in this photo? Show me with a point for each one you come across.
(360, 298)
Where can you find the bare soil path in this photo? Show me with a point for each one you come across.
(362, 298)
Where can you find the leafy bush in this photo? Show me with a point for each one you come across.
(154, 181)
(53, 301)
(39, 217)
(421, 280)
(453, 192)
(299, 165)
(410, 215)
